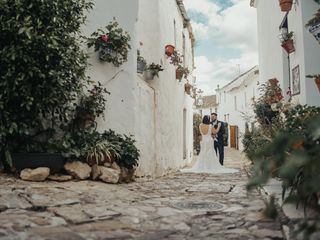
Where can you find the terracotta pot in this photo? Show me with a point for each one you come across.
(179, 74)
(187, 88)
(285, 5)
(169, 49)
(317, 81)
(288, 46)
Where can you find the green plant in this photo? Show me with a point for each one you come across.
(287, 37)
(315, 20)
(112, 44)
(140, 58)
(102, 151)
(292, 154)
(129, 154)
(183, 70)
(176, 58)
(197, 119)
(155, 69)
(93, 103)
(43, 71)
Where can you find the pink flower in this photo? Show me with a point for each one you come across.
(104, 38)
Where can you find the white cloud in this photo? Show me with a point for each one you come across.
(209, 74)
(231, 28)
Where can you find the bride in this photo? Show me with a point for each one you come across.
(208, 161)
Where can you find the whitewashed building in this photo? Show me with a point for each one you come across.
(275, 62)
(235, 104)
(157, 112)
(205, 105)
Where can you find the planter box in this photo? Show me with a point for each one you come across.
(106, 53)
(179, 75)
(315, 31)
(54, 161)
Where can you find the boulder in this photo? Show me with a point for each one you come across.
(109, 175)
(60, 178)
(78, 170)
(95, 172)
(37, 175)
(126, 175)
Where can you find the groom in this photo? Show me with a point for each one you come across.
(218, 145)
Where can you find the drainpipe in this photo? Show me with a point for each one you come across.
(290, 93)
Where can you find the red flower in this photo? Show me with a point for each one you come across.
(273, 81)
(104, 38)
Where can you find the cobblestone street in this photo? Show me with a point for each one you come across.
(178, 206)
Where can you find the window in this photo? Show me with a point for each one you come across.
(235, 102)
(225, 97)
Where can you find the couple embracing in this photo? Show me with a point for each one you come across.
(211, 157)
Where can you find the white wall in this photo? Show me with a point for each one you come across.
(243, 89)
(120, 104)
(151, 110)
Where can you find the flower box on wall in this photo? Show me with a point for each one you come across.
(169, 50)
(285, 5)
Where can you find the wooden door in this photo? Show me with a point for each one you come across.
(234, 137)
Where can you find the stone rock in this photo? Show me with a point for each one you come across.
(115, 166)
(109, 175)
(78, 170)
(126, 175)
(95, 172)
(36, 175)
(60, 178)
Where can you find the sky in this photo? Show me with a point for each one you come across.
(226, 40)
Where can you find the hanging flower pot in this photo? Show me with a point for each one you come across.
(285, 5)
(315, 31)
(169, 49)
(288, 46)
(149, 74)
(105, 54)
(179, 74)
(141, 64)
(187, 88)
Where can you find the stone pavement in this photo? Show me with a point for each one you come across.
(177, 206)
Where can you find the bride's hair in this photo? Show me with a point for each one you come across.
(206, 119)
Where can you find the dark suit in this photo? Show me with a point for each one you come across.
(218, 145)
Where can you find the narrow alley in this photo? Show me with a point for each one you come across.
(178, 206)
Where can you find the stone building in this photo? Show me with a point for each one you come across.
(206, 105)
(157, 112)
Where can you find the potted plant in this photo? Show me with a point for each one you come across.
(316, 79)
(91, 105)
(153, 70)
(187, 88)
(176, 58)
(287, 43)
(285, 5)
(112, 44)
(141, 63)
(314, 25)
(169, 50)
(181, 72)
(101, 152)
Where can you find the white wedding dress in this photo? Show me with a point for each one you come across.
(208, 161)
